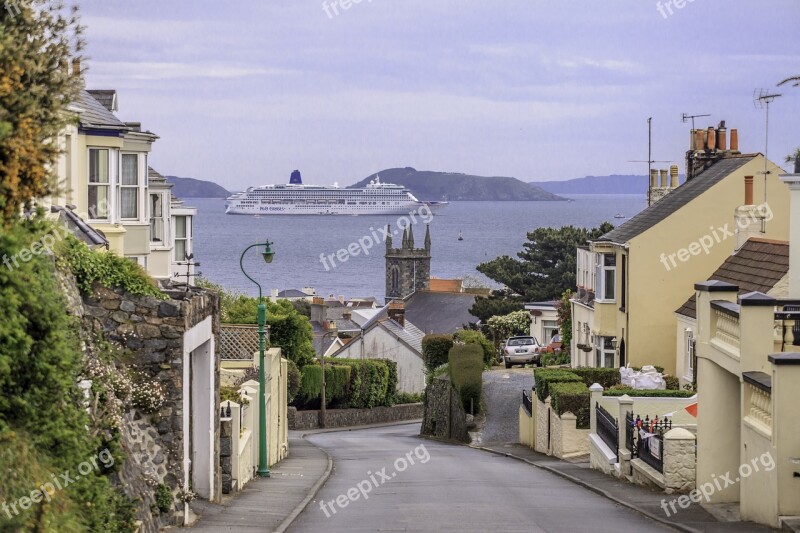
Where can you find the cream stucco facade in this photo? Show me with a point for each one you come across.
(642, 280)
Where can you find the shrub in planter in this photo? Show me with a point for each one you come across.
(672, 382)
(546, 377)
(607, 377)
(435, 350)
(573, 398)
(466, 372)
(635, 393)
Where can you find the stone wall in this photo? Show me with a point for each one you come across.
(152, 332)
(444, 416)
(336, 418)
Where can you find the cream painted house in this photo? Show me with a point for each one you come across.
(748, 376)
(104, 178)
(760, 265)
(544, 320)
(624, 313)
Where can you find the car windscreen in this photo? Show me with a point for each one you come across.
(520, 342)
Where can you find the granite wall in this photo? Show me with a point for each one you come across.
(444, 416)
(337, 418)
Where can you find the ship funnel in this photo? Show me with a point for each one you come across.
(296, 178)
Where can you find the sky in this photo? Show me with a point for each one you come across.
(243, 92)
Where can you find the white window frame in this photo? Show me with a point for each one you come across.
(601, 271)
(187, 239)
(690, 348)
(140, 187)
(549, 330)
(164, 243)
(109, 185)
(603, 352)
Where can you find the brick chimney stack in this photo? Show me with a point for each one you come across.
(397, 312)
(708, 146)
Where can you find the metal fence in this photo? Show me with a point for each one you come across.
(647, 439)
(526, 402)
(607, 428)
(239, 342)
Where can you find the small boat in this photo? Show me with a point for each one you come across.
(619, 215)
(256, 216)
(460, 236)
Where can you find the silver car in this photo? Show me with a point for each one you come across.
(522, 350)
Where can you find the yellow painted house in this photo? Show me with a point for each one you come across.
(105, 180)
(631, 280)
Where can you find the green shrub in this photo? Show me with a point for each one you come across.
(293, 380)
(555, 359)
(573, 398)
(337, 385)
(230, 394)
(164, 499)
(607, 377)
(649, 393)
(41, 361)
(391, 386)
(471, 336)
(435, 350)
(672, 382)
(545, 377)
(106, 268)
(405, 397)
(466, 373)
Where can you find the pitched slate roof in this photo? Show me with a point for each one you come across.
(678, 198)
(409, 333)
(440, 312)
(758, 266)
(94, 115)
(107, 97)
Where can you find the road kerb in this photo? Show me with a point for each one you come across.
(596, 490)
(310, 496)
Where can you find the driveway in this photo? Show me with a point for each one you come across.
(502, 396)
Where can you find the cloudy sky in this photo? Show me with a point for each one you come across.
(245, 91)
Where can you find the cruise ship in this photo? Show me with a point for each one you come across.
(295, 198)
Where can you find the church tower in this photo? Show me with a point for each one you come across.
(408, 269)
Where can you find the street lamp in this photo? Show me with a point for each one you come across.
(332, 330)
(263, 462)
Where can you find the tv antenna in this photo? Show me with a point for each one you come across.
(685, 118)
(650, 159)
(762, 98)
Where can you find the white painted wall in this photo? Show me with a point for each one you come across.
(378, 343)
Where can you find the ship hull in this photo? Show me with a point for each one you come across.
(299, 209)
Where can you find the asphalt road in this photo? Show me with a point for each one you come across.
(502, 396)
(448, 488)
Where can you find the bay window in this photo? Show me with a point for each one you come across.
(606, 276)
(129, 187)
(157, 220)
(605, 353)
(99, 183)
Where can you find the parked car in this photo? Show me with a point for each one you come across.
(522, 350)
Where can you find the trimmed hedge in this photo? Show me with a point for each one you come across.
(436, 350)
(546, 377)
(607, 377)
(471, 336)
(466, 373)
(650, 393)
(369, 382)
(572, 397)
(337, 383)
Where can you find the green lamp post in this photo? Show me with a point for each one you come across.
(263, 462)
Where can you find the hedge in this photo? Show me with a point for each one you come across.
(607, 377)
(658, 393)
(435, 350)
(471, 336)
(369, 382)
(572, 397)
(545, 377)
(466, 374)
(337, 384)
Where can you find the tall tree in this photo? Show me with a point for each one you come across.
(545, 268)
(38, 39)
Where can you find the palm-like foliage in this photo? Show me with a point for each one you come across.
(794, 80)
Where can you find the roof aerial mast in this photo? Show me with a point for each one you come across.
(650, 159)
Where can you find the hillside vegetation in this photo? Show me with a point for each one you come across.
(433, 185)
